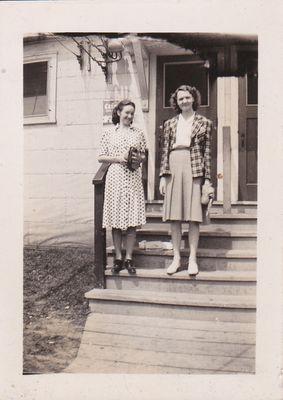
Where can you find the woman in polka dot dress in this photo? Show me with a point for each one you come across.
(124, 205)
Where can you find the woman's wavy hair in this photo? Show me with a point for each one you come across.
(119, 107)
(194, 92)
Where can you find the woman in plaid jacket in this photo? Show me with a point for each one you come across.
(185, 167)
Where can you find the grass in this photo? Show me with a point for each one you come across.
(55, 310)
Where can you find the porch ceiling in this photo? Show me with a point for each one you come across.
(191, 40)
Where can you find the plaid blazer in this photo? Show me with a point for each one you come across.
(200, 146)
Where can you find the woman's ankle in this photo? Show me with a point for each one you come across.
(177, 257)
(193, 258)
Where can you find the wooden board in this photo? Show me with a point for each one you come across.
(156, 331)
(218, 276)
(94, 319)
(112, 367)
(162, 359)
(167, 345)
(131, 344)
(178, 299)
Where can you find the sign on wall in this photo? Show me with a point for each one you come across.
(108, 106)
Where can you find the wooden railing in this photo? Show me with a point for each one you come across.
(99, 232)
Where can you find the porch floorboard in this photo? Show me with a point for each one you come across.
(137, 344)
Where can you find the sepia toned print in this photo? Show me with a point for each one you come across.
(148, 322)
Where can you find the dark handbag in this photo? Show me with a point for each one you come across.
(131, 163)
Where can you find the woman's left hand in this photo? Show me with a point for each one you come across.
(138, 157)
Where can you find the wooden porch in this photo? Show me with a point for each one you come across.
(115, 343)
(155, 323)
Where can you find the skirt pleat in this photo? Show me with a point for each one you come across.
(182, 201)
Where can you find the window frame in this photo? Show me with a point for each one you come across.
(185, 62)
(51, 59)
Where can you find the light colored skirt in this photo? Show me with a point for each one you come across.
(182, 201)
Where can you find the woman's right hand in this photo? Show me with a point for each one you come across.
(124, 158)
(162, 185)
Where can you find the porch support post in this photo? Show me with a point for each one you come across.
(151, 128)
(228, 115)
(226, 169)
(139, 58)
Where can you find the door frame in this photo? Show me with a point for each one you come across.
(212, 54)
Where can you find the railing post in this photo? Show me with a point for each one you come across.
(226, 169)
(99, 232)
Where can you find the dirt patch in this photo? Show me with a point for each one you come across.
(55, 310)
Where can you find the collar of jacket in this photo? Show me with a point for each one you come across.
(198, 122)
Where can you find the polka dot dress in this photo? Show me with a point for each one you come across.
(124, 204)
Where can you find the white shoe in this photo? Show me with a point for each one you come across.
(192, 268)
(173, 268)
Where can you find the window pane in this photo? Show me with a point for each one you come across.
(185, 74)
(35, 88)
(252, 88)
(248, 65)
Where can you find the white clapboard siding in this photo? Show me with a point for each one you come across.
(49, 234)
(64, 137)
(63, 210)
(73, 186)
(60, 161)
(53, 210)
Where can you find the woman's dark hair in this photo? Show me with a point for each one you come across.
(186, 88)
(119, 107)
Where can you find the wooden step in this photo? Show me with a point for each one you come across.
(192, 325)
(114, 343)
(249, 207)
(208, 259)
(241, 220)
(173, 305)
(212, 237)
(216, 282)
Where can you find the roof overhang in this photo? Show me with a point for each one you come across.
(202, 44)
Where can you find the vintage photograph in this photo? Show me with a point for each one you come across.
(140, 202)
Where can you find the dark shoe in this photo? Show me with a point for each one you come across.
(129, 265)
(117, 266)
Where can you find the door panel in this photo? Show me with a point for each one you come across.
(251, 151)
(174, 71)
(248, 127)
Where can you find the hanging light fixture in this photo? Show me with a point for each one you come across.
(110, 51)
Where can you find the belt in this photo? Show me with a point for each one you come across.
(181, 148)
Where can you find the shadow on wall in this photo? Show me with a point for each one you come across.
(121, 79)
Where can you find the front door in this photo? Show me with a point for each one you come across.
(173, 71)
(248, 93)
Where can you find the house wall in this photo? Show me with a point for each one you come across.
(60, 159)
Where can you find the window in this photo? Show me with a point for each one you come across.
(40, 89)
(185, 73)
(252, 88)
(248, 67)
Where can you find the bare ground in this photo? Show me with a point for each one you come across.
(55, 310)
